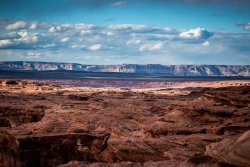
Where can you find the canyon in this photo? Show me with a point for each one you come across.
(45, 124)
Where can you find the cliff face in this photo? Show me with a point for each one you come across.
(8, 149)
(173, 70)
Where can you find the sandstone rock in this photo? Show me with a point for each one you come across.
(8, 150)
(201, 160)
(232, 150)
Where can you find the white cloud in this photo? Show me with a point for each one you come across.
(26, 37)
(133, 27)
(133, 41)
(65, 39)
(50, 45)
(151, 46)
(19, 39)
(5, 42)
(78, 47)
(33, 54)
(52, 29)
(86, 32)
(22, 25)
(23, 34)
(55, 29)
(246, 26)
(17, 25)
(79, 26)
(198, 33)
(109, 33)
(206, 43)
(120, 3)
(74, 46)
(33, 26)
(95, 47)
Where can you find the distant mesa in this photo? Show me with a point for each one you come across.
(171, 70)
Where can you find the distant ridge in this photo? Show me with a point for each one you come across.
(171, 70)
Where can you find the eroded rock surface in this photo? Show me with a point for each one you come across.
(232, 150)
(120, 127)
(8, 150)
(14, 116)
(56, 149)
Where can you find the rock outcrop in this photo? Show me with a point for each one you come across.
(232, 150)
(170, 70)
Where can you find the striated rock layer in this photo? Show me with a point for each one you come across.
(172, 70)
(73, 126)
(235, 151)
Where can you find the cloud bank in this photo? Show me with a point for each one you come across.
(120, 43)
(24, 35)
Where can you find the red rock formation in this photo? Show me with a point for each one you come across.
(232, 150)
(8, 150)
(114, 127)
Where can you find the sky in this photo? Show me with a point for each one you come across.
(126, 31)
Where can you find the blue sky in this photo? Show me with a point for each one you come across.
(126, 31)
